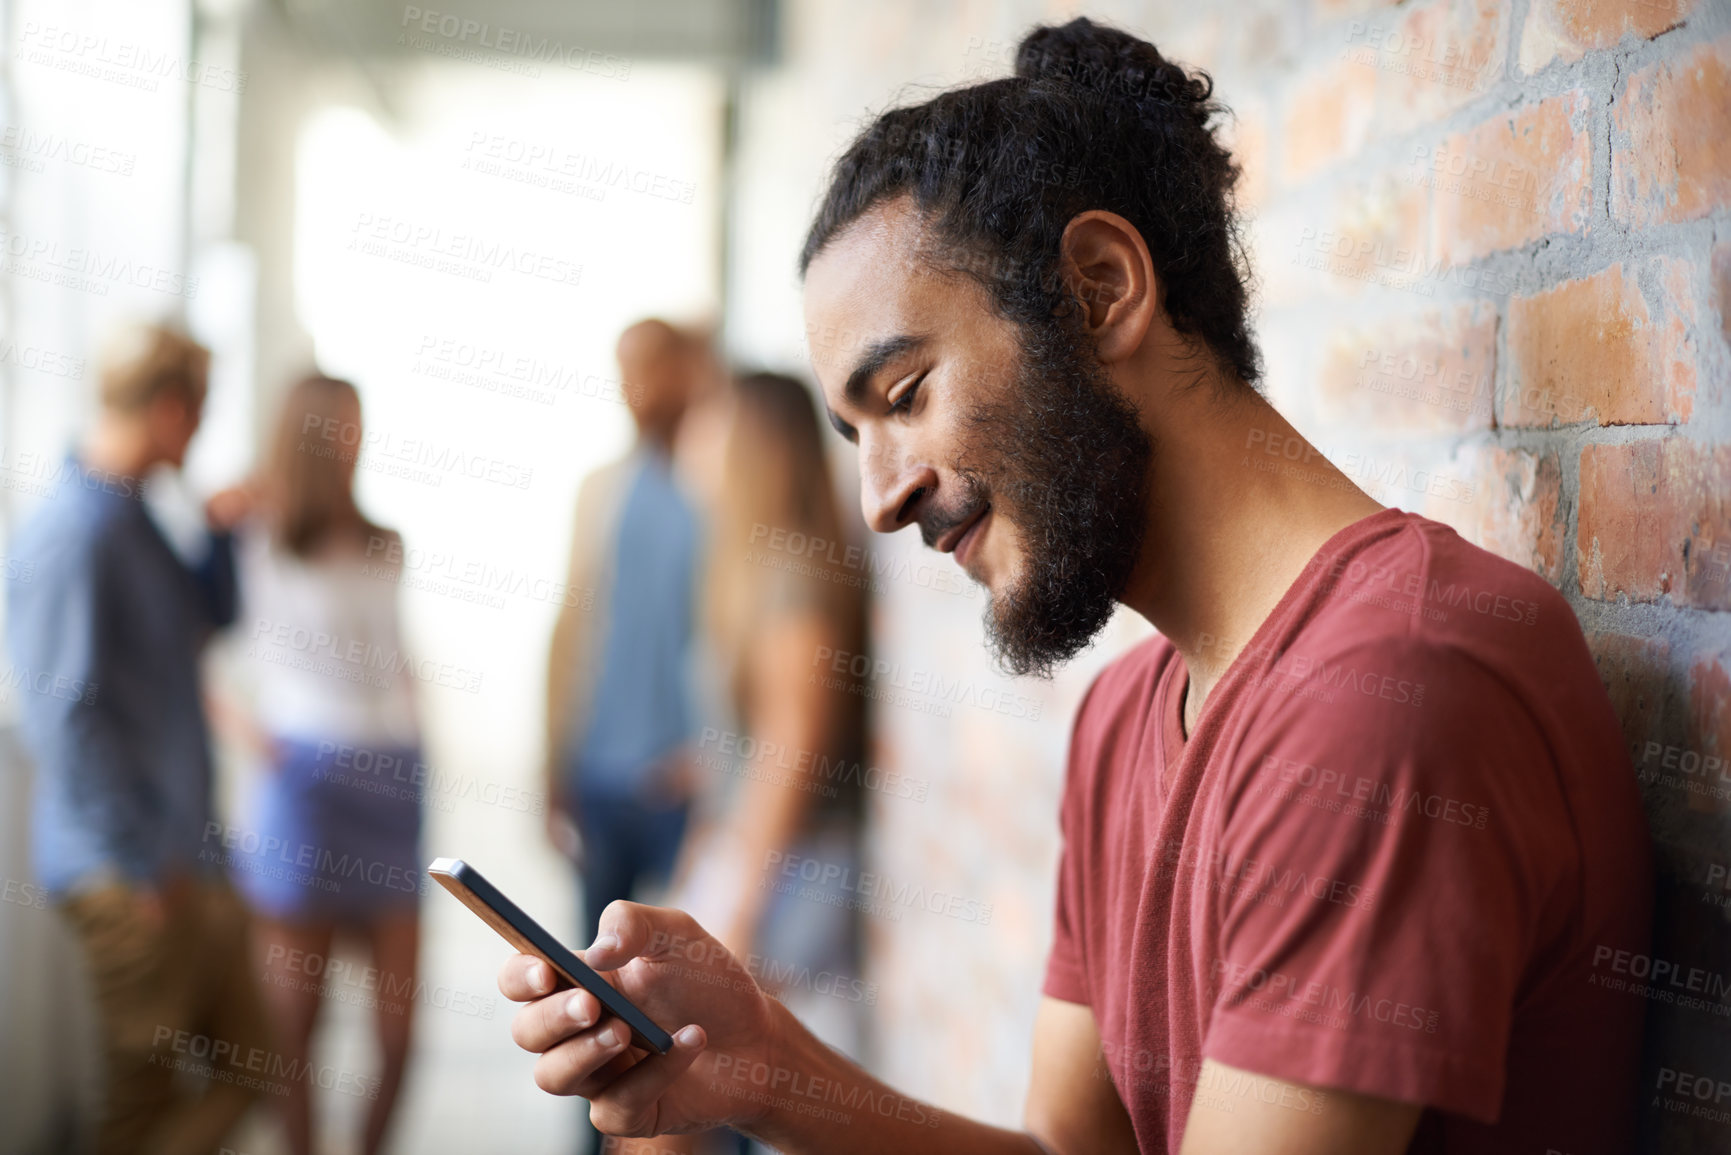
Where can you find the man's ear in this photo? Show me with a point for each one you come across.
(1107, 268)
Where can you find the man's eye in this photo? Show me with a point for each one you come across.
(906, 400)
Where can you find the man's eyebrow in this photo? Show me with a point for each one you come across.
(876, 356)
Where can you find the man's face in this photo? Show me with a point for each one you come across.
(174, 418)
(1010, 448)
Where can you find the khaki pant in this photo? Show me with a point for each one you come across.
(180, 1014)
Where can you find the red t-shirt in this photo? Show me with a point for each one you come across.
(1395, 856)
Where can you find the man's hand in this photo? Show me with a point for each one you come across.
(682, 978)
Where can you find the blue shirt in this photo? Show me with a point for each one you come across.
(104, 638)
(642, 706)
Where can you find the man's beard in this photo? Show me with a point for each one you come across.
(1065, 456)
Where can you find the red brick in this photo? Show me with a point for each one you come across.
(1444, 55)
(1634, 672)
(1433, 372)
(1670, 148)
(1655, 521)
(1569, 29)
(1328, 118)
(1593, 350)
(1510, 180)
(1516, 509)
(1709, 733)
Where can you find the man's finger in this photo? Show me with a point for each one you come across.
(631, 929)
(628, 1107)
(566, 1067)
(524, 977)
(545, 1023)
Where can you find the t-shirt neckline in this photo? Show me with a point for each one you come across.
(1178, 684)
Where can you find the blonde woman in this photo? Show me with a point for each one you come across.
(773, 759)
(336, 819)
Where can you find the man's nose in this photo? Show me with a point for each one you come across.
(892, 483)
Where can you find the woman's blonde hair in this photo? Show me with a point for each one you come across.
(308, 482)
(776, 501)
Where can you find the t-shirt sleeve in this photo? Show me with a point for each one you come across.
(1066, 970)
(1388, 833)
(1065, 977)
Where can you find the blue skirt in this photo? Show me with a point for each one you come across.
(334, 833)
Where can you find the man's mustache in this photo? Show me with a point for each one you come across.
(936, 520)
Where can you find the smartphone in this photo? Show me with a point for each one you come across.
(530, 937)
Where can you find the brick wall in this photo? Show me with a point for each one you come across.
(1494, 260)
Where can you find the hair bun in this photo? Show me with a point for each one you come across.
(1108, 61)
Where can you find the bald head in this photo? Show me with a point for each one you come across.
(658, 362)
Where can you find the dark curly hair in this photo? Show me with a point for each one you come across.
(1093, 118)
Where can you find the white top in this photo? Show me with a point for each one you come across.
(321, 646)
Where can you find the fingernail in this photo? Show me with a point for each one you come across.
(612, 1036)
(606, 941)
(688, 1036)
(538, 977)
(574, 1009)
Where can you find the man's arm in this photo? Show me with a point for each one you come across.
(59, 648)
(1236, 1111)
(743, 1059)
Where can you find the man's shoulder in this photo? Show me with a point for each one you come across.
(1422, 586)
(69, 529)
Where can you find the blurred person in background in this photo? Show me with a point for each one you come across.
(780, 761)
(336, 819)
(109, 635)
(620, 712)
